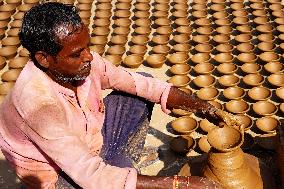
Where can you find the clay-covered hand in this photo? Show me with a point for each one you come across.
(229, 119)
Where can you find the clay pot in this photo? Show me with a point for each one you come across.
(240, 13)
(227, 68)
(229, 80)
(179, 58)
(86, 21)
(101, 22)
(122, 13)
(279, 14)
(201, 39)
(253, 79)
(280, 28)
(199, 14)
(13, 32)
(265, 28)
(267, 124)
(265, 37)
(274, 67)
(123, 6)
(245, 48)
(16, 24)
(180, 14)
(245, 120)
(234, 93)
(260, 13)
(224, 30)
(11, 75)
(25, 7)
(207, 93)
(138, 49)
(182, 144)
(184, 29)
(161, 39)
(180, 69)
(5, 87)
(241, 20)
(84, 7)
(205, 48)
(8, 52)
(156, 60)
(142, 6)
(204, 68)
(204, 144)
(264, 108)
(142, 14)
(160, 14)
(237, 106)
(279, 21)
(261, 20)
(116, 49)
(276, 79)
(18, 63)
(217, 7)
(90, 1)
(133, 61)
(223, 22)
(244, 29)
(161, 7)
(8, 8)
(99, 40)
(161, 49)
(186, 90)
(204, 81)
(2, 62)
(24, 52)
(85, 14)
(181, 38)
(106, 6)
(2, 33)
(251, 68)
(103, 14)
(5, 16)
(179, 80)
(118, 39)
(201, 58)
(280, 92)
(202, 22)
(224, 48)
(164, 30)
(114, 59)
(15, 2)
(162, 22)
(276, 7)
(100, 49)
(206, 126)
(205, 30)
(181, 6)
(247, 57)
(216, 104)
(224, 57)
(259, 93)
(199, 7)
(257, 6)
(243, 38)
(3, 25)
(220, 15)
(140, 39)
(144, 1)
(221, 38)
(143, 22)
(181, 47)
(237, 6)
(121, 30)
(184, 125)
(125, 22)
(269, 57)
(101, 31)
(182, 22)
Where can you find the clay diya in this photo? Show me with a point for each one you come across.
(5, 16)
(84, 7)
(245, 47)
(122, 13)
(267, 124)
(205, 30)
(240, 13)
(247, 57)
(121, 30)
(123, 6)
(103, 22)
(280, 28)
(85, 14)
(265, 37)
(223, 22)
(8, 8)
(269, 57)
(181, 47)
(259, 13)
(259, 93)
(265, 28)
(142, 6)
(276, 7)
(241, 20)
(162, 22)
(220, 15)
(24, 52)
(161, 49)
(141, 30)
(261, 20)
(18, 63)
(101, 31)
(160, 14)
(179, 58)
(139, 39)
(243, 38)
(224, 58)
(237, 106)
(264, 108)
(181, 38)
(234, 93)
(125, 22)
(204, 48)
(201, 58)
(227, 68)
(99, 40)
(13, 32)
(199, 7)
(156, 60)
(142, 14)
(161, 7)
(138, 49)
(181, 6)
(274, 67)
(25, 7)
(207, 93)
(100, 49)
(103, 14)
(253, 79)
(280, 92)
(184, 29)
(216, 104)
(201, 39)
(118, 39)
(276, 79)
(217, 7)
(4, 24)
(221, 38)
(2, 62)
(244, 29)
(182, 22)
(224, 48)
(279, 21)
(179, 80)
(245, 120)
(133, 60)
(184, 125)
(251, 68)
(164, 30)
(8, 52)
(237, 6)
(229, 80)
(199, 14)
(106, 6)
(11, 75)
(206, 126)
(204, 81)
(114, 59)
(257, 6)
(180, 14)
(204, 68)
(182, 144)
(204, 144)
(180, 69)
(224, 30)
(279, 13)
(15, 2)
(203, 22)
(116, 49)
(5, 87)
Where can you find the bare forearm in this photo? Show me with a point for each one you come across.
(152, 182)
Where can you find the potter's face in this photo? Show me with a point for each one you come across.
(73, 62)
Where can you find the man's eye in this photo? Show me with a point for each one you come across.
(76, 55)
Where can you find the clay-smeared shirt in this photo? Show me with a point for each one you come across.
(44, 128)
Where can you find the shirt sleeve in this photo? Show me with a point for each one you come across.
(48, 129)
(119, 78)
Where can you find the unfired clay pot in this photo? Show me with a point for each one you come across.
(161, 49)
(204, 80)
(184, 29)
(276, 79)
(267, 37)
(244, 29)
(205, 30)
(121, 30)
(224, 57)
(116, 49)
(18, 63)
(179, 58)
(204, 144)
(161, 39)
(184, 125)
(204, 68)
(182, 144)
(206, 126)
(156, 60)
(133, 61)
(280, 92)
(11, 75)
(220, 15)
(245, 120)
(181, 47)
(101, 22)
(8, 52)
(269, 57)
(5, 87)
(229, 80)
(207, 93)
(114, 59)
(224, 48)
(253, 79)
(247, 57)
(179, 80)
(138, 49)
(199, 14)
(142, 14)
(140, 39)
(237, 106)
(264, 108)
(267, 124)
(101, 31)
(234, 93)
(251, 68)
(201, 39)
(2, 62)
(243, 38)
(245, 47)
(201, 58)
(259, 93)
(221, 38)
(227, 68)
(180, 69)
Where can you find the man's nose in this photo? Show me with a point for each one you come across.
(87, 56)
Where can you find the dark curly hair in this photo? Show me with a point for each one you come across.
(38, 31)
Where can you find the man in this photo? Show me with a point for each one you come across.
(58, 132)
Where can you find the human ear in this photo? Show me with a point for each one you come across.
(42, 58)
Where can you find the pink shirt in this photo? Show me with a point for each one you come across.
(43, 129)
